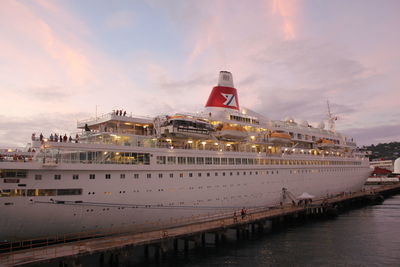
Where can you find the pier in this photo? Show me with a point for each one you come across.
(67, 251)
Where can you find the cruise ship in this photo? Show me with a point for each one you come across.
(134, 173)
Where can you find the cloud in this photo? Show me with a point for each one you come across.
(19, 129)
(49, 93)
(375, 134)
(120, 20)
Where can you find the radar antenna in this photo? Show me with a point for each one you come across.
(331, 119)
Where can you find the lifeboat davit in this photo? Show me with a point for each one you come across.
(231, 132)
(280, 137)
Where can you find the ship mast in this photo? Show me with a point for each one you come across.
(331, 119)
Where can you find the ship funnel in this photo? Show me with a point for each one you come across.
(224, 95)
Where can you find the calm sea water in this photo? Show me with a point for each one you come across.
(368, 236)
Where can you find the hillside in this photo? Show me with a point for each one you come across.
(386, 151)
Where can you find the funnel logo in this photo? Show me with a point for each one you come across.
(229, 100)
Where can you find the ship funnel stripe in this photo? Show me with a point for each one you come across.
(223, 97)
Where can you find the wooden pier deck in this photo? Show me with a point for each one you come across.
(64, 251)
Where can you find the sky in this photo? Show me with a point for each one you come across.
(60, 61)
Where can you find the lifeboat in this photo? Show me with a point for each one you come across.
(280, 137)
(183, 126)
(324, 143)
(229, 132)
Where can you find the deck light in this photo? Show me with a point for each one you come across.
(203, 143)
(190, 141)
(269, 147)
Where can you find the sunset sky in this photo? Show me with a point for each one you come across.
(61, 59)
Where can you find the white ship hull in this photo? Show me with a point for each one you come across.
(107, 205)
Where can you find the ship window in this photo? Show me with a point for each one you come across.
(256, 173)
(190, 174)
(181, 160)
(108, 176)
(238, 161)
(238, 173)
(171, 175)
(191, 160)
(224, 161)
(75, 176)
(209, 161)
(216, 161)
(244, 161)
(92, 176)
(12, 192)
(200, 160)
(208, 174)
(38, 177)
(64, 192)
(199, 174)
(223, 174)
(122, 176)
(250, 161)
(216, 174)
(171, 160)
(136, 175)
(12, 173)
(181, 175)
(230, 173)
(160, 159)
(57, 176)
(160, 175)
(231, 161)
(149, 175)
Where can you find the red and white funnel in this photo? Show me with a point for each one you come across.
(224, 95)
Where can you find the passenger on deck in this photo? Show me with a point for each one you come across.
(41, 137)
(33, 136)
(76, 138)
(125, 113)
(65, 138)
(70, 139)
(51, 137)
(55, 138)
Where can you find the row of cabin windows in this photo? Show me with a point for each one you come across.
(40, 192)
(246, 161)
(76, 176)
(244, 119)
(171, 175)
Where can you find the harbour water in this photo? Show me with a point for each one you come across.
(368, 236)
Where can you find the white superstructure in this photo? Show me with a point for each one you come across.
(140, 173)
